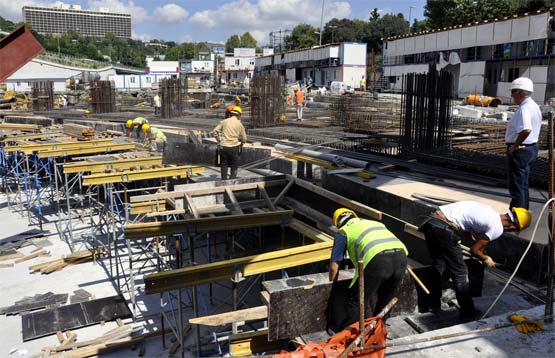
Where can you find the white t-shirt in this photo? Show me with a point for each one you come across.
(527, 116)
(476, 217)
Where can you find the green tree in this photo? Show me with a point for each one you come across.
(6, 25)
(248, 41)
(418, 26)
(302, 36)
(383, 27)
(232, 42)
(374, 15)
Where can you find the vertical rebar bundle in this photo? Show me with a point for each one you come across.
(426, 111)
(42, 93)
(172, 94)
(267, 101)
(103, 97)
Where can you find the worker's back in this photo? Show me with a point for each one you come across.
(231, 132)
(299, 97)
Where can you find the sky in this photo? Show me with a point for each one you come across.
(216, 20)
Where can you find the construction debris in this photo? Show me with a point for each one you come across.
(69, 260)
(79, 131)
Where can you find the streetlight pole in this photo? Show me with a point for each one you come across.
(410, 15)
(322, 21)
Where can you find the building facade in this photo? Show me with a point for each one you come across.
(483, 57)
(239, 68)
(63, 18)
(321, 65)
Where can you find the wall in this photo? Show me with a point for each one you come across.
(25, 85)
(471, 78)
(506, 31)
(353, 75)
(353, 54)
(399, 71)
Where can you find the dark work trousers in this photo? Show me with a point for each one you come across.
(518, 174)
(443, 245)
(382, 276)
(138, 130)
(229, 157)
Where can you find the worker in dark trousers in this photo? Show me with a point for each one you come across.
(384, 259)
(231, 136)
(480, 224)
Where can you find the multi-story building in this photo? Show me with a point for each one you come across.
(239, 68)
(321, 65)
(483, 57)
(63, 18)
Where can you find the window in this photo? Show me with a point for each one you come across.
(392, 79)
(148, 80)
(237, 62)
(513, 74)
(132, 80)
(249, 75)
(251, 62)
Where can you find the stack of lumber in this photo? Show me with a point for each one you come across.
(114, 339)
(19, 127)
(69, 260)
(79, 131)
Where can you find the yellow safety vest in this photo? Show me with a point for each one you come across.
(366, 239)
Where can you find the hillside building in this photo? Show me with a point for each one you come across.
(62, 18)
(483, 57)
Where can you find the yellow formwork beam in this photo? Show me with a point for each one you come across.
(146, 207)
(325, 164)
(242, 267)
(182, 171)
(30, 148)
(25, 136)
(86, 150)
(98, 167)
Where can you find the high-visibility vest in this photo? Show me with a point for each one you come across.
(139, 121)
(158, 133)
(366, 239)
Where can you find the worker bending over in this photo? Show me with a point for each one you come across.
(230, 135)
(155, 138)
(444, 230)
(136, 124)
(383, 255)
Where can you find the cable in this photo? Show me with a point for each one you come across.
(519, 262)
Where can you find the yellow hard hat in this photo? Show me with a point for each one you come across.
(145, 127)
(521, 217)
(341, 216)
(87, 111)
(129, 123)
(237, 110)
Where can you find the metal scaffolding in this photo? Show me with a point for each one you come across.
(267, 100)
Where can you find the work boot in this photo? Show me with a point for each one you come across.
(469, 317)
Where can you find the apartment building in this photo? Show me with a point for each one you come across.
(483, 57)
(63, 18)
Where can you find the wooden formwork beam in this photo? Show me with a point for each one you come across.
(97, 167)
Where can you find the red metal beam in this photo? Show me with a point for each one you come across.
(16, 49)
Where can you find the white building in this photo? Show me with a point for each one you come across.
(483, 57)
(155, 71)
(239, 68)
(322, 65)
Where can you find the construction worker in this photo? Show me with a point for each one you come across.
(384, 259)
(444, 229)
(231, 136)
(136, 124)
(521, 137)
(237, 101)
(299, 101)
(157, 104)
(87, 113)
(155, 138)
(228, 110)
(362, 83)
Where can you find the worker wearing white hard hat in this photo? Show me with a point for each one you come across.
(521, 137)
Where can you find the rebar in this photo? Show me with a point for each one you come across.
(426, 111)
(103, 96)
(173, 92)
(267, 100)
(43, 95)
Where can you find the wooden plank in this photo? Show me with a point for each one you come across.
(249, 314)
(191, 206)
(266, 198)
(284, 191)
(413, 230)
(348, 203)
(11, 256)
(234, 202)
(32, 256)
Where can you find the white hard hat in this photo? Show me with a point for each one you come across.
(523, 83)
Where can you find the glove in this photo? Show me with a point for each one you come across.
(525, 328)
(489, 262)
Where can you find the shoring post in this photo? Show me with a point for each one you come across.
(551, 266)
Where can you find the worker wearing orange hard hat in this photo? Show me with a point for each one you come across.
(231, 136)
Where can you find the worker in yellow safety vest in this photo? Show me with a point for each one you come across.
(155, 138)
(384, 259)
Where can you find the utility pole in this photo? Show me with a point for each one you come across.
(322, 21)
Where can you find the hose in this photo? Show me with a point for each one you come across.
(519, 262)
